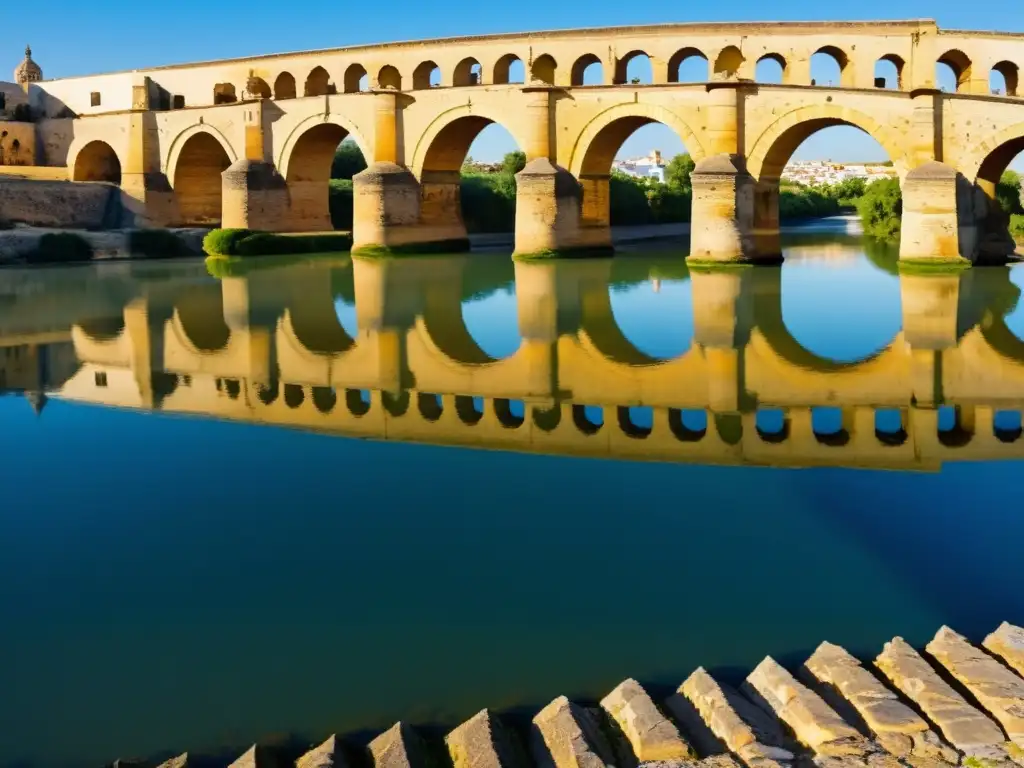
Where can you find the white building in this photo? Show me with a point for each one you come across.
(651, 166)
(812, 172)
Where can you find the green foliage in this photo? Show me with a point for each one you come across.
(60, 248)
(847, 191)
(1017, 226)
(243, 242)
(340, 203)
(488, 202)
(880, 209)
(635, 201)
(222, 242)
(1008, 193)
(807, 203)
(157, 244)
(678, 170)
(348, 161)
(513, 163)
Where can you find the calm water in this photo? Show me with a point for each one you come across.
(326, 496)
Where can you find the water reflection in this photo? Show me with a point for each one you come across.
(265, 580)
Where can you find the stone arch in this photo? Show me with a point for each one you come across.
(985, 168)
(259, 88)
(284, 86)
(422, 75)
(96, 161)
(353, 80)
(389, 77)
(437, 163)
(543, 69)
(960, 63)
(318, 83)
(467, 72)
(898, 63)
(174, 153)
(622, 65)
(842, 61)
(580, 66)
(198, 320)
(503, 67)
(772, 149)
(224, 93)
(680, 56)
(197, 179)
(288, 146)
(728, 62)
(1011, 76)
(777, 58)
(306, 166)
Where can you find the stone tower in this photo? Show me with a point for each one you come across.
(28, 71)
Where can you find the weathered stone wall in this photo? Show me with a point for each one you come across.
(59, 203)
(17, 143)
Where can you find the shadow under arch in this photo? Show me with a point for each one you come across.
(316, 328)
(103, 328)
(200, 316)
(600, 326)
(97, 161)
(445, 326)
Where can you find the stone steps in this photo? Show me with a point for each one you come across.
(951, 704)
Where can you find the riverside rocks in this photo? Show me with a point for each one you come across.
(745, 729)
(897, 727)
(398, 747)
(1007, 642)
(652, 736)
(966, 728)
(565, 735)
(327, 755)
(998, 689)
(483, 742)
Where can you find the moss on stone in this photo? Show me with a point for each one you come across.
(434, 248)
(581, 252)
(244, 242)
(933, 266)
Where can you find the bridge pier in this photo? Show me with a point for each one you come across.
(146, 194)
(254, 195)
(938, 218)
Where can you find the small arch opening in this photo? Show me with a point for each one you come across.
(284, 86)
(431, 406)
(268, 393)
(197, 180)
(396, 403)
(511, 414)
(636, 421)
(588, 70)
(728, 63)
(1006, 426)
(356, 79)
(827, 425)
(772, 425)
(469, 409)
(729, 427)
(224, 93)
(1004, 79)
(256, 88)
(426, 75)
(357, 401)
(318, 83)
(589, 419)
(952, 71)
(770, 68)
(97, 162)
(324, 399)
(547, 419)
(634, 69)
(829, 66)
(294, 395)
(543, 69)
(688, 425)
(890, 426)
(889, 72)
(509, 69)
(688, 65)
(389, 77)
(953, 431)
(468, 72)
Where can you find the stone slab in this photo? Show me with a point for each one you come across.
(398, 747)
(1007, 643)
(964, 727)
(327, 755)
(744, 728)
(813, 721)
(181, 761)
(996, 688)
(898, 728)
(652, 736)
(484, 742)
(564, 735)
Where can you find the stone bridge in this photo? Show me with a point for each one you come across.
(249, 142)
(269, 348)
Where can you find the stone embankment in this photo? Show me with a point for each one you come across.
(952, 704)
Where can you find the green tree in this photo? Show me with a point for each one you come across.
(1008, 193)
(513, 163)
(880, 209)
(677, 174)
(348, 161)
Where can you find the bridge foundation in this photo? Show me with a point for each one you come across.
(938, 227)
(722, 224)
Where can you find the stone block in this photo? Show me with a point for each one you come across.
(651, 735)
(327, 755)
(566, 736)
(1007, 642)
(484, 742)
(398, 747)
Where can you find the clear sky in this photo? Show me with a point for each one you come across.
(80, 38)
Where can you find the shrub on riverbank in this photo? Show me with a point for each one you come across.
(244, 242)
(341, 203)
(157, 244)
(880, 209)
(1017, 227)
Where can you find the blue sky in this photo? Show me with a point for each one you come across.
(80, 38)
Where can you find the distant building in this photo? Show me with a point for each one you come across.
(649, 167)
(826, 172)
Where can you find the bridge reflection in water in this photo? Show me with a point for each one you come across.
(269, 348)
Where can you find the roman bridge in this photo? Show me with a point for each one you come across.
(269, 348)
(249, 142)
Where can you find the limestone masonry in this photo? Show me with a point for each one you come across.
(774, 720)
(249, 142)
